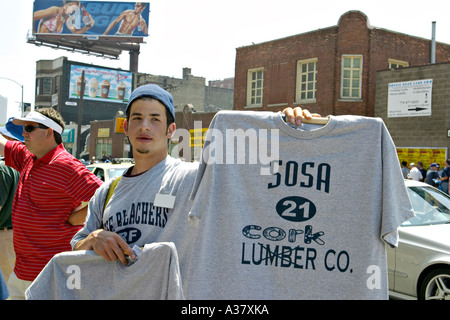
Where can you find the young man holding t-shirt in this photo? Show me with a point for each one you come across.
(151, 201)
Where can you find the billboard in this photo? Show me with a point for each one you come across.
(91, 18)
(100, 84)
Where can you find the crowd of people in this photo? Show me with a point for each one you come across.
(434, 176)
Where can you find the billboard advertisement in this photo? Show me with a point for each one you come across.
(91, 18)
(100, 84)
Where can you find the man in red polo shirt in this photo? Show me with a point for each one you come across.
(48, 205)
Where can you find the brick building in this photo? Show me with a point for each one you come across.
(329, 71)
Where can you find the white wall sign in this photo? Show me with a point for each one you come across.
(410, 98)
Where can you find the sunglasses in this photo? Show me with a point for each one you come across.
(30, 128)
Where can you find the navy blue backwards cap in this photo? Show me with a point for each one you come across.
(12, 130)
(156, 92)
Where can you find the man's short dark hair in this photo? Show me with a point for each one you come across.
(55, 116)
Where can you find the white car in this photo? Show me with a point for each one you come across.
(420, 267)
(106, 171)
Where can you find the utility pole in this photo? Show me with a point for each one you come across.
(80, 114)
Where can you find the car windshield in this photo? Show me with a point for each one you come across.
(115, 172)
(430, 205)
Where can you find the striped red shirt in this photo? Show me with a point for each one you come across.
(49, 189)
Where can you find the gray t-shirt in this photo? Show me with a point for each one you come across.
(133, 214)
(84, 275)
(311, 223)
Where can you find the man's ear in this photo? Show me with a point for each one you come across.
(171, 129)
(125, 127)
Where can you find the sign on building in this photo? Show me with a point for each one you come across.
(410, 98)
(197, 137)
(119, 125)
(68, 136)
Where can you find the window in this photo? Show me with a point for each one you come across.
(46, 85)
(397, 64)
(255, 83)
(126, 147)
(38, 87)
(306, 80)
(104, 147)
(56, 89)
(351, 77)
(100, 173)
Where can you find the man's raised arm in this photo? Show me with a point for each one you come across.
(2, 145)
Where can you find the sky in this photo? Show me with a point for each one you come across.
(203, 34)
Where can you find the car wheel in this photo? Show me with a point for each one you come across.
(436, 285)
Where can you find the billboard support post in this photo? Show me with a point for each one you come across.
(134, 59)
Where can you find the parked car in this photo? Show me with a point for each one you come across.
(419, 268)
(106, 171)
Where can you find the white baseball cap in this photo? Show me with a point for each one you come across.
(38, 117)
